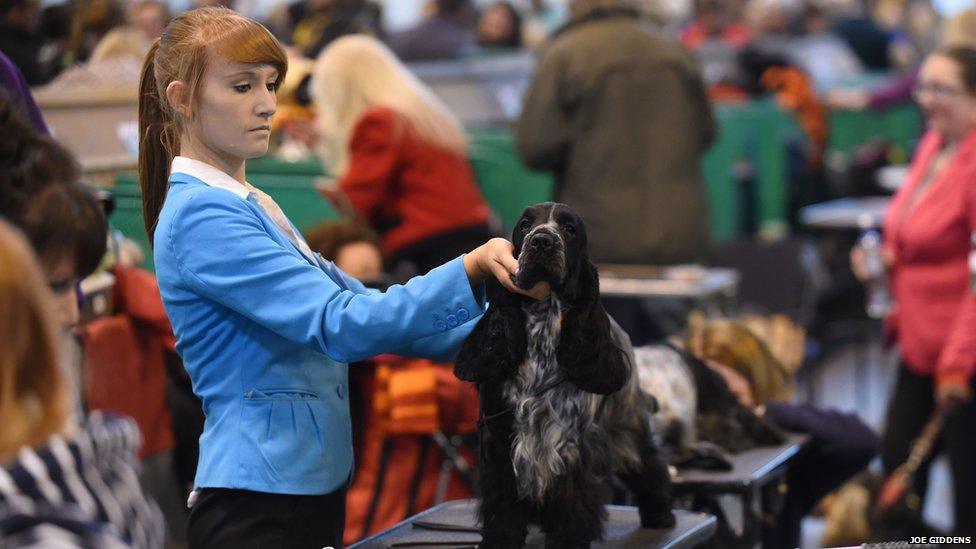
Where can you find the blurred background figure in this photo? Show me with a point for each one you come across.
(840, 444)
(351, 245)
(541, 19)
(715, 20)
(930, 233)
(611, 144)
(145, 21)
(444, 32)
(13, 83)
(21, 41)
(311, 25)
(500, 27)
(398, 154)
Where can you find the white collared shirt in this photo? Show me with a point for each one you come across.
(218, 179)
(209, 175)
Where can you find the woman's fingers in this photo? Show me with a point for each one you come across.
(503, 266)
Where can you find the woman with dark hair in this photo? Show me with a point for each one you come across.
(41, 195)
(64, 484)
(930, 254)
(500, 26)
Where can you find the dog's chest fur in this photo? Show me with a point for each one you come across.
(550, 413)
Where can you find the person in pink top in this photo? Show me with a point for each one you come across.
(930, 242)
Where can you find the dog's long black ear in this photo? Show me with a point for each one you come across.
(582, 285)
(497, 344)
(589, 352)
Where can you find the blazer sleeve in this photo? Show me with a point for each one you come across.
(373, 160)
(542, 132)
(224, 254)
(957, 361)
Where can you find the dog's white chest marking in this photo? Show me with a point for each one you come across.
(550, 413)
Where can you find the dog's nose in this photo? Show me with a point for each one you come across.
(542, 242)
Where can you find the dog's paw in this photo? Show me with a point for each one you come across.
(658, 519)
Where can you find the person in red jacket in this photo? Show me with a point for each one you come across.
(399, 154)
(930, 242)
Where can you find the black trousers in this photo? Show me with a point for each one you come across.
(244, 519)
(910, 407)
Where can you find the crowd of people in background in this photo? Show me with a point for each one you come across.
(831, 39)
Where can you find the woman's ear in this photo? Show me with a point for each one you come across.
(178, 97)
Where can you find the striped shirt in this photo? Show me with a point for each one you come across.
(80, 490)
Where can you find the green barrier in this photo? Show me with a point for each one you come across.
(751, 137)
(750, 133)
(901, 125)
(505, 182)
(294, 192)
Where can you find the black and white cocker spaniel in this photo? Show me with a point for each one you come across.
(561, 409)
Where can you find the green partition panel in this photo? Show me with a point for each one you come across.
(751, 136)
(505, 182)
(294, 192)
(507, 185)
(901, 125)
(750, 133)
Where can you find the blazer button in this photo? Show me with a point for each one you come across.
(452, 321)
(463, 315)
(341, 391)
(440, 325)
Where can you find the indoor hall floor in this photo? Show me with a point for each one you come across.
(857, 377)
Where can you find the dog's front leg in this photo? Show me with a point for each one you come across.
(504, 516)
(651, 484)
(573, 514)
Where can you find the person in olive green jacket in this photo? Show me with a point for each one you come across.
(620, 116)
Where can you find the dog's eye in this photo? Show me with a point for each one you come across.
(569, 228)
(525, 224)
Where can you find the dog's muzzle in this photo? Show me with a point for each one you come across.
(542, 259)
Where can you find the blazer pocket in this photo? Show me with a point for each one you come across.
(255, 395)
(284, 433)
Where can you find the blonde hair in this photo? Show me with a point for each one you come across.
(960, 30)
(34, 401)
(181, 54)
(357, 73)
(733, 344)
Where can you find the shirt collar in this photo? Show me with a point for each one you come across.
(209, 175)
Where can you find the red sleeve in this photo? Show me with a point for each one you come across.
(136, 294)
(958, 358)
(373, 159)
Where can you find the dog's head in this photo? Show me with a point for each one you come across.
(550, 244)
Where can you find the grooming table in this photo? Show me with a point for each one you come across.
(752, 472)
(712, 289)
(453, 525)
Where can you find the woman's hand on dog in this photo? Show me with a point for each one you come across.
(497, 258)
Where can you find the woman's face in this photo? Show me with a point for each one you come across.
(496, 25)
(948, 106)
(63, 280)
(236, 103)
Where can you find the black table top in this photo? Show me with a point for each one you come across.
(750, 468)
(622, 530)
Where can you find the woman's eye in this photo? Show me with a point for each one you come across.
(271, 87)
(242, 88)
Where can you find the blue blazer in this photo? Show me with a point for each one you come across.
(265, 334)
